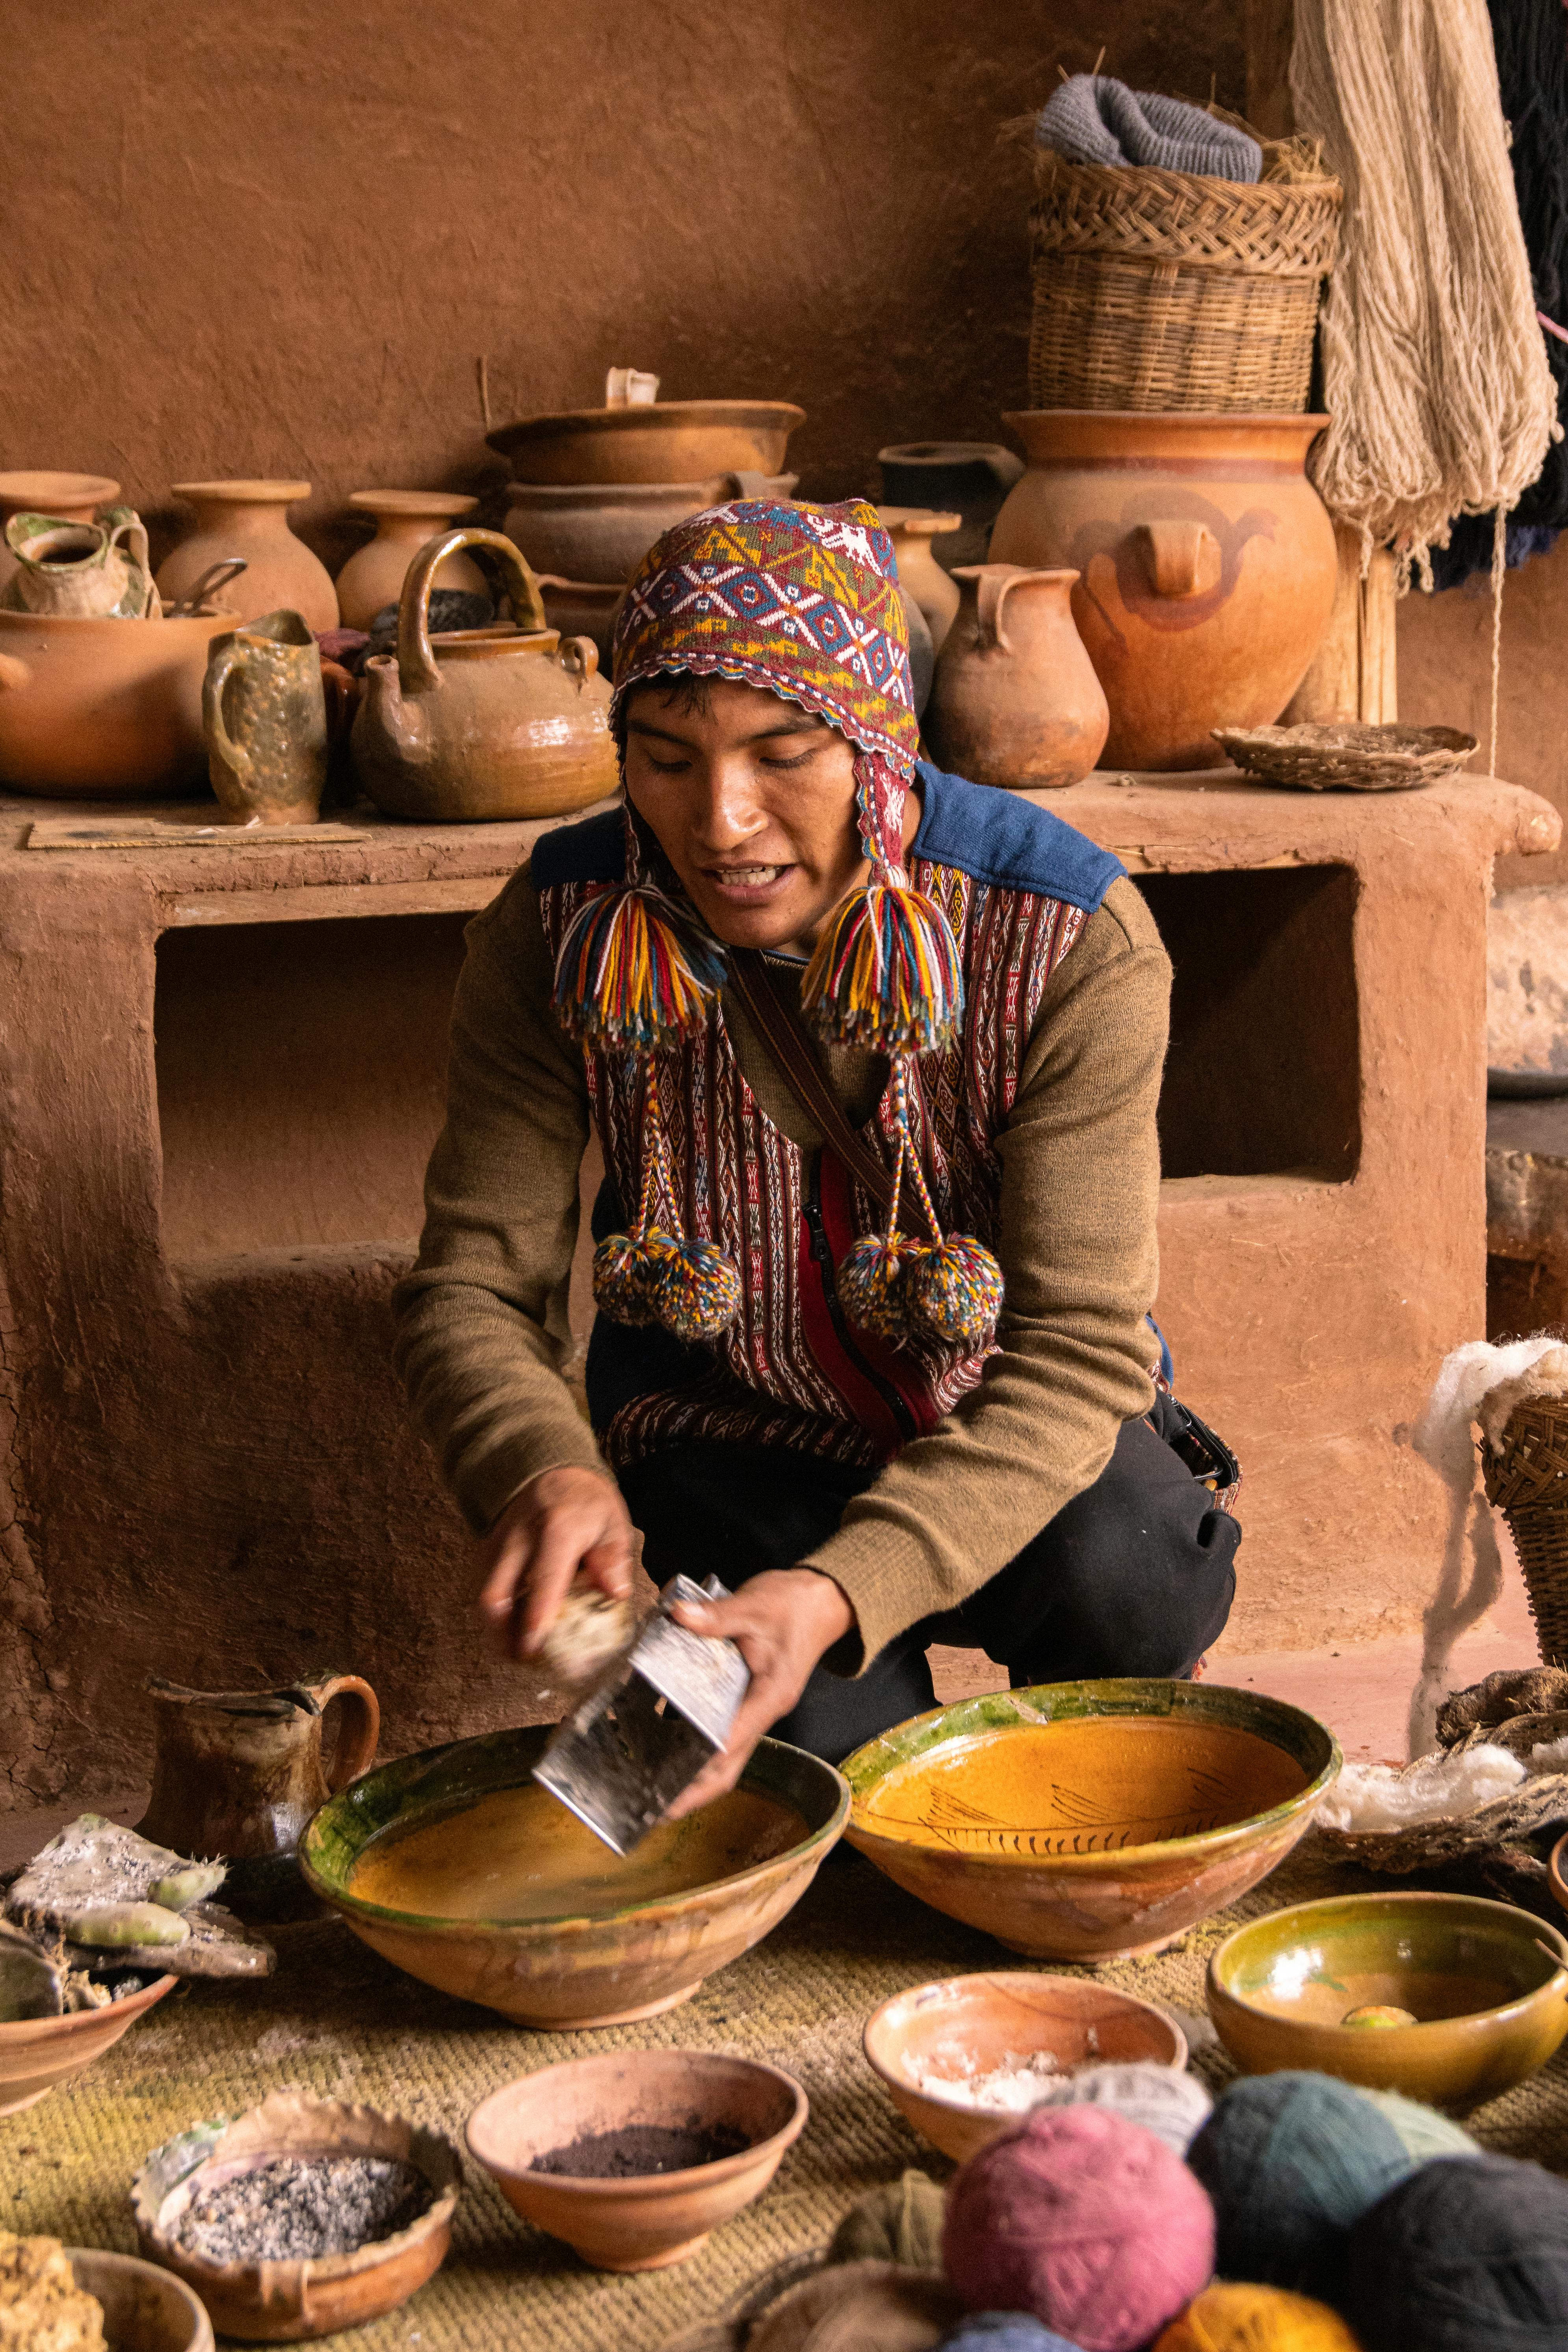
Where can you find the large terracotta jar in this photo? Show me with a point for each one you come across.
(251, 519)
(374, 575)
(1206, 565)
(1015, 700)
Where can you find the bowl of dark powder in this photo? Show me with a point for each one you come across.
(303, 2216)
(634, 2156)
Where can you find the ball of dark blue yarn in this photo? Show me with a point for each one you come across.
(1004, 2331)
(1291, 2161)
(1469, 2254)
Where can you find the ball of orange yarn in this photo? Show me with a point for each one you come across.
(1233, 2318)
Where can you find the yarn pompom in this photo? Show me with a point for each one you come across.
(631, 977)
(1091, 2225)
(885, 974)
(1165, 2100)
(1292, 2162)
(1425, 2131)
(622, 1268)
(956, 1291)
(1003, 2331)
(693, 1286)
(1235, 2318)
(899, 2223)
(1468, 2254)
(873, 1283)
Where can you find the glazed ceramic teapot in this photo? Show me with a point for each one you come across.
(483, 723)
(1016, 699)
(239, 1773)
(81, 567)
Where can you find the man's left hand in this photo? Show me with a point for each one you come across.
(782, 1623)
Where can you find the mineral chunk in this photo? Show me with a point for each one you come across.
(41, 2307)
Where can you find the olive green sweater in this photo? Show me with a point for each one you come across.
(483, 1320)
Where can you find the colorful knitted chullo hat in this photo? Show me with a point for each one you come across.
(802, 602)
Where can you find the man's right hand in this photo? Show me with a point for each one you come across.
(561, 1524)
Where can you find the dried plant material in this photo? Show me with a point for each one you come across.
(1514, 1691)
(102, 1885)
(41, 2307)
(32, 1978)
(589, 1632)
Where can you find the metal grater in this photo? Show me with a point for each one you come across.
(621, 1758)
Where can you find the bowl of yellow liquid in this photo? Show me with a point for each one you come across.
(1449, 1998)
(1089, 1820)
(457, 1866)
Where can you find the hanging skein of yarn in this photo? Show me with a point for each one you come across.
(1424, 2132)
(1438, 392)
(1165, 2100)
(1238, 2318)
(1003, 2331)
(1469, 2254)
(899, 2223)
(1082, 2219)
(1291, 2162)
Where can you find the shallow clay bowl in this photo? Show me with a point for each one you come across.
(145, 2309)
(37, 2053)
(1487, 1984)
(661, 441)
(285, 2302)
(1089, 1820)
(966, 2026)
(610, 1965)
(646, 2222)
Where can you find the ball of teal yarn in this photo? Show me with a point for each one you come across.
(1292, 2162)
(1425, 2131)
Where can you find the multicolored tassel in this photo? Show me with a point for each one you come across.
(949, 1289)
(631, 977)
(885, 974)
(954, 1291)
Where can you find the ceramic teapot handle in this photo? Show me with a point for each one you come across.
(359, 1731)
(1182, 559)
(579, 657)
(220, 743)
(418, 669)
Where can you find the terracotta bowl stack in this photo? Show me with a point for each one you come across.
(594, 487)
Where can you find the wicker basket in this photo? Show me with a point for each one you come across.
(1167, 290)
(1528, 1483)
(1348, 755)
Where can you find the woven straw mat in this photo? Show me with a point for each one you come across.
(337, 2022)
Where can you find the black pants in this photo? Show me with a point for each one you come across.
(1133, 1577)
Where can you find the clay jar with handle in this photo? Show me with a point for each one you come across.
(237, 1774)
(483, 723)
(73, 498)
(1016, 699)
(1206, 565)
(374, 575)
(251, 519)
(264, 713)
(89, 570)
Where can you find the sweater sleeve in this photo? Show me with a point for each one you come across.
(481, 1319)
(1080, 1173)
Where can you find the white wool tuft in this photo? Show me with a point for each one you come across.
(1550, 1756)
(1438, 1789)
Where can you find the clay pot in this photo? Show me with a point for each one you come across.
(103, 710)
(1015, 700)
(81, 568)
(584, 608)
(641, 2222)
(649, 441)
(73, 498)
(971, 478)
(374, 575)
(486, 723)
(264, 709)
(911, 530)
(37, 2053)
(1206, 560)
(145, 2309)
(239, 1773)
(251, 519)
(589, 531)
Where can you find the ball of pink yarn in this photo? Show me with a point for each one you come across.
(1086, 2220)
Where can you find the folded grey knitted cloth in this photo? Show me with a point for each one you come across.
(1093, 119)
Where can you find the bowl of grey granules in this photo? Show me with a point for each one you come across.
(303, 2215)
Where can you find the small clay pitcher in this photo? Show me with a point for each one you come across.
(81, 568)
(1015, 700)
(264, 714)
(237, 1774)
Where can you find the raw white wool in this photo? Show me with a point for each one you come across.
(1440, 1788)
(1548, 1756)
(1010, 2089)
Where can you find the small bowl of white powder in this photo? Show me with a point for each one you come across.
(963, 2058)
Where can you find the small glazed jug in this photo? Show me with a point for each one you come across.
(65, 497)
(1015, 700)
(264, 714)
(237, 1774)
(81, 568)
(483, 723)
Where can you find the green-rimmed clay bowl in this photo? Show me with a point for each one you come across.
(1089, 1820)
(605, 1961)
(1486, 1985)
